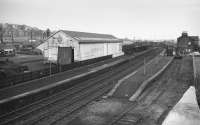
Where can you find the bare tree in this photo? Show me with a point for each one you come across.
(48, 32)
(44, 35)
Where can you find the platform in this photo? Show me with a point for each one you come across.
(127, 86)
(186, 111)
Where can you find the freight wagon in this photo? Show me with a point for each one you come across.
(131, 49)
(169, 51)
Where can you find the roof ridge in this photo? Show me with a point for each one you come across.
(87, 34)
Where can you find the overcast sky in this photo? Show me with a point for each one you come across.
(140, 19)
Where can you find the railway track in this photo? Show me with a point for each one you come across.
(127, 117)
(55, 109)
(169, 83)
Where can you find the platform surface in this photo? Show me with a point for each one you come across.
(186, 111)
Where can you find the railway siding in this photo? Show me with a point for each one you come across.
(146, 82)
(35, 92)
(163, 93)
(55, 111)
(8, 103)
(129, 86)
(107, 111)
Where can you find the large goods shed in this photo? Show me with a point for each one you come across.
(85, 45)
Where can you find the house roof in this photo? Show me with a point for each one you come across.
(85, 35)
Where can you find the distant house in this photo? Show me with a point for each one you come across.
(187, 44)
(84, 45)
(7, 50)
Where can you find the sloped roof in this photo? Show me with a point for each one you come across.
(79, 35)
(84, 37)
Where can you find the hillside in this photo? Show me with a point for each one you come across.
(21, 33)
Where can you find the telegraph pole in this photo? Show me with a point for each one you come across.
(144, 66)
(49, 58)
(31, 35)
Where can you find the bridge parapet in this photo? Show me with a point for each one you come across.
(196, 68)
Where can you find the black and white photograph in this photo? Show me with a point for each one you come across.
(99, 62)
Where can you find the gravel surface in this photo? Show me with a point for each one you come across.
(130, 85)
(99, 113)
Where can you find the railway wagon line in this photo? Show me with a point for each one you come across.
(113, 79)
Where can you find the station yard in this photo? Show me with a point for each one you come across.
(153, 104)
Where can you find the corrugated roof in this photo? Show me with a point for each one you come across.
(76, 34)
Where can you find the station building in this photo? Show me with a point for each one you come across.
(187, 44)
(84, 45)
